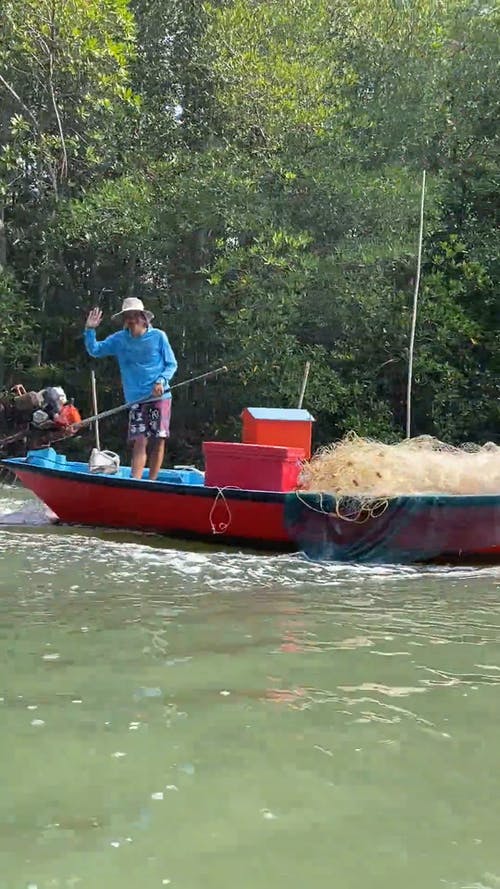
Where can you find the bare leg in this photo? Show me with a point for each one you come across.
(139, 456)
(156, 456)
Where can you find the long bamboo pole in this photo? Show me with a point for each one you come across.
(414, 313)
(304, 383)
(95, 409)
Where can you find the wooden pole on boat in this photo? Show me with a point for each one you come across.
(95, 409)
(304, 384)
(414, 314)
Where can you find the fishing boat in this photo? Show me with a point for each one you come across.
(250, 494)
(240, 497)
(178, 503)
(405, 529)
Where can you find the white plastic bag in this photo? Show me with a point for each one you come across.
(104, 461)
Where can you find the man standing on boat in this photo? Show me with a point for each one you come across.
(147, 364)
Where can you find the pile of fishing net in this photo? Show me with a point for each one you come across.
(363, 468)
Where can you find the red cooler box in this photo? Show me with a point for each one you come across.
(278, 426)
(251, 466)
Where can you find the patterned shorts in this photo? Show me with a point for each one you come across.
(150, 420)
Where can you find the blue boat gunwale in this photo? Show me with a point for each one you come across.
(154, 487)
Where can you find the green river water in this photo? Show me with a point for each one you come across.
(204, 719)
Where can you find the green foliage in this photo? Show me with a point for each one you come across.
(16, 329)
(272, 68)
(64, 66)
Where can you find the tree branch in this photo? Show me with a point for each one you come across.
(64, 163)
(20, 101)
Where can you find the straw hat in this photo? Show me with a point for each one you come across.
(132, 304)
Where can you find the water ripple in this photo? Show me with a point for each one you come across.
(152, 690)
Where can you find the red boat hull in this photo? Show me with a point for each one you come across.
(176, 510)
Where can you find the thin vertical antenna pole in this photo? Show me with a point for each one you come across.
(414, 314)
(95, 409)
(304, 383)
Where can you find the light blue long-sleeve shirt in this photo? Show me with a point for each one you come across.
(143, 360)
